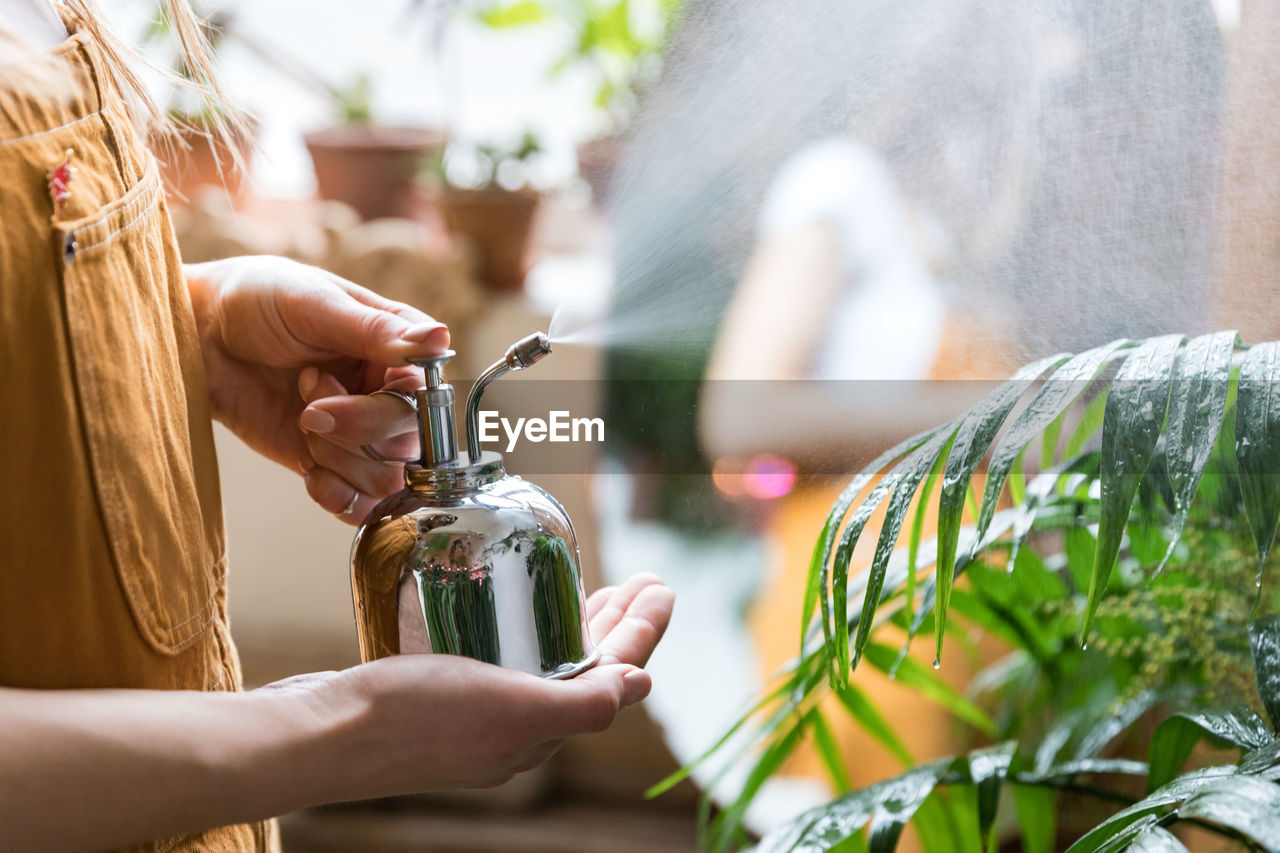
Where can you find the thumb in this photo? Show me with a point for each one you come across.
(357, 323)
(590, 701)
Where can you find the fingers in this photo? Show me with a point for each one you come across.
(597, 601)
(635, 636)
(591, 701)
(615, 607)
(376, 479)
(356, 419)
(340, 477)
(351, 321)
(335, 495)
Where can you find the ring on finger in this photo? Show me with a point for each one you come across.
(351, 507)
(368, 450)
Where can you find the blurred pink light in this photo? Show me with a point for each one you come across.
(768, 476)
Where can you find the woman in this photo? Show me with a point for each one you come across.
(120, 717)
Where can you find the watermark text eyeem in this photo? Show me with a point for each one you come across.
(558, 427)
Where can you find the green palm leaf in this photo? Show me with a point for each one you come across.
(1258, 443)
(976, 434)
(820, 563)
(1064, 385)
(1131, 427)
(1200, 385)
(907, 476)
(1156, 839)
(1177, 736)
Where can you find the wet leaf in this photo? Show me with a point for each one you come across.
(906, 476)
(928, 591)
(1131, 427)
(1155, 839)
(1083, 766)
(1196, 406)
(988, 768)
(1258, 443)
(1175, 792)
(818, 580)
(1249, 805)
(1264, 762)
(917, 528)
(979, 429)
(1177, 736)
(840, 653)
(1090, 423)
(885, 802)
(1121, 839)
(1264, 640)
(1118, 719)
(899, 801)
(1064, 385)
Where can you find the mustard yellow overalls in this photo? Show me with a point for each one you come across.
(113, 566)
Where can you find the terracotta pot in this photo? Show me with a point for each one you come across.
(202, 163)
(598, 163)
(498, 223)
(371, 167)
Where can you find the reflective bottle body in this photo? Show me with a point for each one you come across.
(488, 570)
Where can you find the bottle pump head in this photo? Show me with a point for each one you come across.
(436, 427)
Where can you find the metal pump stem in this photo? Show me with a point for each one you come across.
(523, 353)
(436, 431)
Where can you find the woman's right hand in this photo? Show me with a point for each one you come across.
(414, 723)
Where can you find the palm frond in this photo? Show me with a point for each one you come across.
(1169, 394)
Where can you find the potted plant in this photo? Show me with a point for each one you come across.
(1130, 581)
(618, 44)
(484, 196)
(370, 166)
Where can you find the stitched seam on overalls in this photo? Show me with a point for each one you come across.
(92, 61)
(151, 197)
(178, 639)
(16, 139)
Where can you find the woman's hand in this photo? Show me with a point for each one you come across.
(426, 722)
(133, 765)
(277, 335)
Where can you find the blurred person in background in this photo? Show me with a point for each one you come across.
(122, 721)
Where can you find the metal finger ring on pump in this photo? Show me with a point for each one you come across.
(467, 559)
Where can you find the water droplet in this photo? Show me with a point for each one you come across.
(1084, 645)
(937, 664)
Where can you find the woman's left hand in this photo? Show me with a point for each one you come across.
(291, 351)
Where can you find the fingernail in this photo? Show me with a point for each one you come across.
(305, 464)
(422, 332)
(316, 420)
(636, 686)
(307, 381)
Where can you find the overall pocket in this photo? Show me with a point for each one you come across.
(137, 365)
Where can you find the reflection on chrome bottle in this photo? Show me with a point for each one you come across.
(468, 560)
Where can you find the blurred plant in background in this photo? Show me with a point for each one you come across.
(619, 43)
(485, 166)
(1145, 538)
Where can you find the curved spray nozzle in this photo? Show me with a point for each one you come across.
(523, 353)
